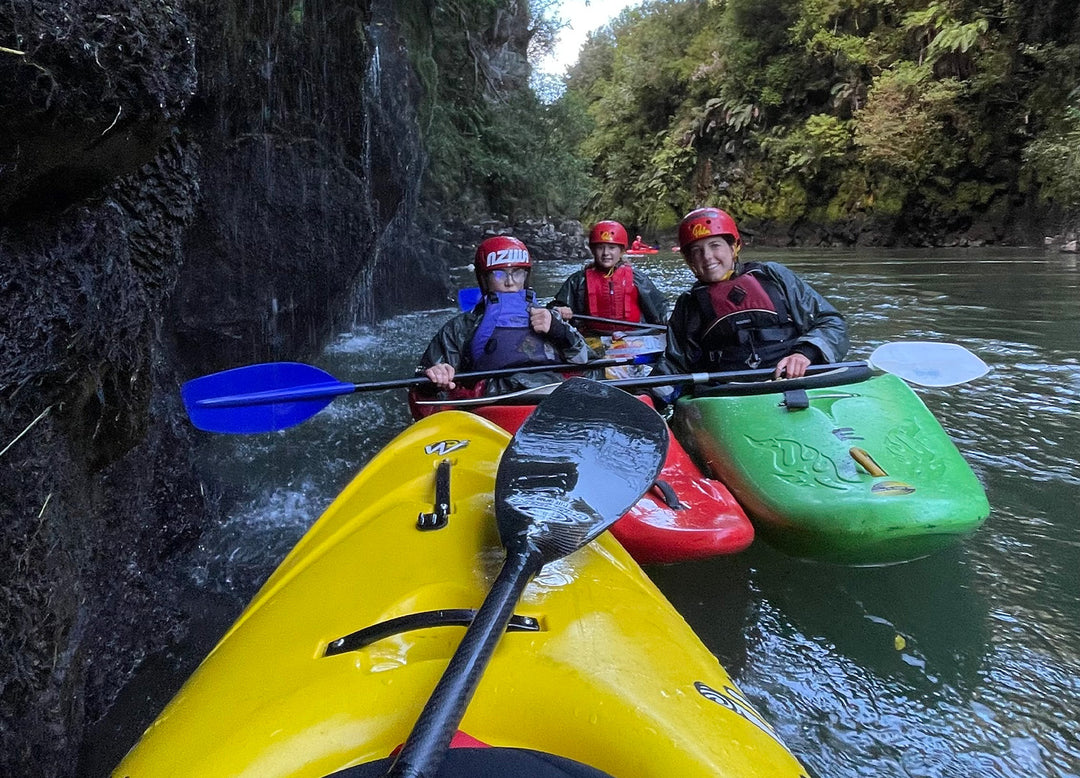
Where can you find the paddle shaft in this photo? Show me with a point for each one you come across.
(331, 389)
(557, 487)
(638, 325)
(426, 745)
(754, 378)
(724, 377)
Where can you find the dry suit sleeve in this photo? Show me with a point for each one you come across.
(449, 343)
(820, 324)
(654, 305)
(571, 294)
(570, 343)
(681, 352)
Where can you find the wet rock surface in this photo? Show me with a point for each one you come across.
(98, 492)
(183, 187)
(90, 92)
(95, 193)
(545, 239)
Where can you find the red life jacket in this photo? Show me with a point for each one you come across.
(745, 322)
(613, 296)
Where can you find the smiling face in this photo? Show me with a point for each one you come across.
(711, 259)
(606, 255)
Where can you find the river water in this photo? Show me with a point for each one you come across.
(966, 663)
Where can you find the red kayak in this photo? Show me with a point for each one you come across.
(685, 515)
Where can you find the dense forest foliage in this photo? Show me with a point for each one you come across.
(494, 148)
(927, 114)
(909, 117)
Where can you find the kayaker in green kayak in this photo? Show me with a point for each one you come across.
(506, 329)
(743, 315)
(610, 287)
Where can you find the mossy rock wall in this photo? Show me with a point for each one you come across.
(183, 187)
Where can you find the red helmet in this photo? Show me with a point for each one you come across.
(608, 232)
(705, 222)
(500, 252)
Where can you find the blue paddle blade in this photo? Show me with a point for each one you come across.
(468, 298)
(260, 398)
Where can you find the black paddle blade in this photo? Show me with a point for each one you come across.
(584, 456)
(581, 460)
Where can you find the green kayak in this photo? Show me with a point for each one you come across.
(858, 473)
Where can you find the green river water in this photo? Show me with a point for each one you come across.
(966, 663)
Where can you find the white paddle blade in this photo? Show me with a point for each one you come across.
(929, 364)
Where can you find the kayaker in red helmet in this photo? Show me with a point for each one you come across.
(505, 329)
(610, 287)
(742, 315)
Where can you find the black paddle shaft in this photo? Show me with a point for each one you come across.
(630, 325)
(423, 751)
(730, 376)
(581, 460)
(476, 375)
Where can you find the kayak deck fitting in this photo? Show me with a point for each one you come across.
(686, 515)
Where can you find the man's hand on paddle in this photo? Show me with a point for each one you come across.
(442, 375)
(792, 366)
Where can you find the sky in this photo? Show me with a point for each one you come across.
(583, 16)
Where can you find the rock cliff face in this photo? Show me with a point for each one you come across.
(183, 187)
(310, 179)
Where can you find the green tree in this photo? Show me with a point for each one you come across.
(930, 112)
(1054, 159)
(493, 147)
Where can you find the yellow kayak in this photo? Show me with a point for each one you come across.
(332, 661)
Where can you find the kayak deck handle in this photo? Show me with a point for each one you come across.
(439, 517)
(667, 491)
(796, 400)
(446, 617)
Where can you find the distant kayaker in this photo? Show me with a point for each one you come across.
(506, 329)
(610, 287)
(742, 315)
(639, 245)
